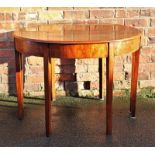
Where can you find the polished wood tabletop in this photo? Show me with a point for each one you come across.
(76, 33)
(77, 41)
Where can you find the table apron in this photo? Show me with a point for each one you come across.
(79, 51)
(125, 46)
(62, 50)
(29, 47)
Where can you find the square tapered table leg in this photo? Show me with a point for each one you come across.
(19, 83)
(109, 91)
(48, 85)
(134, 80)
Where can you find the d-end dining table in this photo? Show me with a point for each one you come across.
(77, 41)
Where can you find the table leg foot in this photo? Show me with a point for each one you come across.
(133, 117)
(21, 116)
(102, 99)
(130, 116)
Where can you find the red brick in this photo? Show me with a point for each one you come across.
(145, 12)
(139, 22)
(144, 75)
(6, 53)
(119, 60)
(153, 58)
(22, 16)
(152, 21)
(120, 13)
(12, 70)
(2, 16)
(152, 54)
(102, 13)
(8, 61)
(152, 75)
(152, 67)
(151, 40)
(94, 85)
(152, 12)
(118, 68)
(151, 31)
(144, 67)
(34, 79)
(3, 36)
(6, 45)
(145, 54)
(119, 75)
(8, 16)
(145, 57)
(132, 13)
(80, 14)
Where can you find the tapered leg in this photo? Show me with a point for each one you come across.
(47, 82)
(101, 78)
(134, 79)
(19, 83)
(53, 92)
(109, 91)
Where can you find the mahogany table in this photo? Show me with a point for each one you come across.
(77, 41)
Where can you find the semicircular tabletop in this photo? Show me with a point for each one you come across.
(76, 33)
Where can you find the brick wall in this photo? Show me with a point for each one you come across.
(75, 76)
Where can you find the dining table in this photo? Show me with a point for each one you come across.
(77, 41)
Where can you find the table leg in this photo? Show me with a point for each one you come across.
(53, 93)
(19, 83)
(109, 91)
(134, 80)
(101, 78)
(47, 82)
